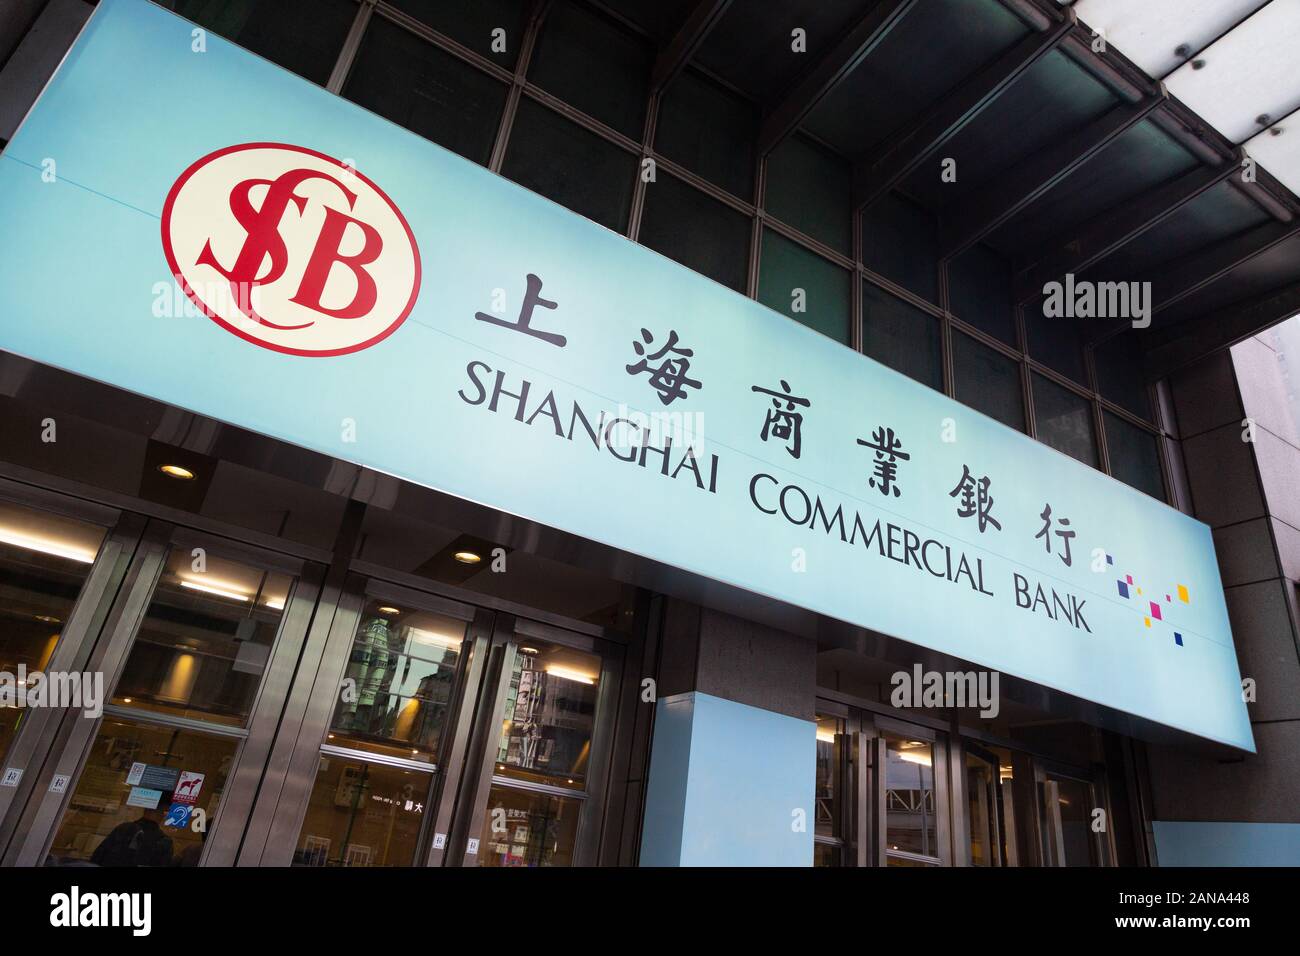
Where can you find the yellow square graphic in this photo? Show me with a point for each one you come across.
(1146, 621)
(1182, 594)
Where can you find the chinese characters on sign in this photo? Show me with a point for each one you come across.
(888, 451)
(669, 379)
(785, 423)
(1064, 535)
(784, 419)
(975, 499)
(532, 299)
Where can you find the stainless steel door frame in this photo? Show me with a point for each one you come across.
(72, 742)
(941, 743)
(1051, 843)
(993, 809)
(285, 797)
(479, 779)
(31, 746)
(41, 819)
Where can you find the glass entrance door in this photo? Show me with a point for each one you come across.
(1071, 821)
(536, 797)
(440, 733)
(983, 802)
(197, 653)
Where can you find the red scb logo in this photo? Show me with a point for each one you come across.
(290, 249)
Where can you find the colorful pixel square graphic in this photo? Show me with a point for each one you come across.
(1127, 590)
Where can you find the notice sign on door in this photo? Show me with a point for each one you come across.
(188, 786)
(419, 315)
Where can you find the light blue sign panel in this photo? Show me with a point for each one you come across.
(335, 328)
(730, 785)
(1227, 844)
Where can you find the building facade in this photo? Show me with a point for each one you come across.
(311, 660)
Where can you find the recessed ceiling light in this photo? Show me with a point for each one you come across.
(389, 610)
(467, 557)
(176, 471)
(47, 619)
(527, 650)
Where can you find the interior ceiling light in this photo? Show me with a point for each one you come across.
(56, 548)
(420, 636)
(176, 471)
(210, 589)
(467, 557)
(566, 674)
(389, 610)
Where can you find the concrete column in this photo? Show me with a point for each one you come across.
(733, 756)
(1249, 494)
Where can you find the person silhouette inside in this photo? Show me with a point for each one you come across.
(139, 842)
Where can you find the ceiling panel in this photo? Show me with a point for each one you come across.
(1247, 73)
(1150, 32)
(1278, 150)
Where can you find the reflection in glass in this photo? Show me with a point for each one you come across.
(828, 840)
(205, 640)
(362, 814)
(828, 774)
(147, 797)
(981, 811)
(910, 821)
(549, 714)
(398, 682)
(528, 829)
(44, 561)
(1068, 807)
(826, 854)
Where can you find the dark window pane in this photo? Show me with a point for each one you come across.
(1120, 376)
(826, 854)
(899, 241)
(811, 189)
(699, 232)
(987, 381)
(592, 63)
(710, 131)
(428, 91)
(979, 286)
(573, 166)
(362, 814)
(205, 640)
(44, 561)
(137, 794)
(1064, 420)
(471, 22)
(824, 289)
(1055, 341)
(276, 29)
(901, 336)
(402, 667)
(1134, 456)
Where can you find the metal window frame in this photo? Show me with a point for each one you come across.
(760, 218)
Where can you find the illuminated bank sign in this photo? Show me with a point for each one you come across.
(208, 230)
